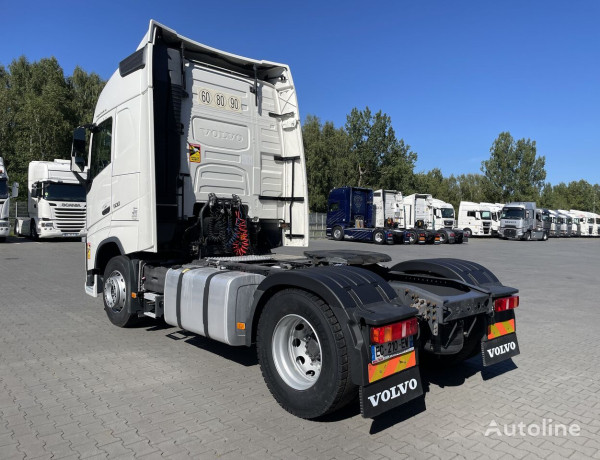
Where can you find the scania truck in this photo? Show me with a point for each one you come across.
(519, 222)
(196, 173)
(55, 202)
(5, 195)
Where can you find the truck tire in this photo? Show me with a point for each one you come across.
(412, 237)
(468, 232)
(117, 292)
(528, 236)
(443, 237)
(303, 355)
(379, 237)
(33, 233)
(337, 233)
(544, 236)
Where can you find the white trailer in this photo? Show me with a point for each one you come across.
(5, 196)
(196, 171)
(56, 202)
(475, 218)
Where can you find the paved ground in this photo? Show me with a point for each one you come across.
(74, 386)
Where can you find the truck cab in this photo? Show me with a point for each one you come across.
(518, 222)
(475, 218)
(565, 223)
(56, 202)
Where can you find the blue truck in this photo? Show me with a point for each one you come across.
(352, 215)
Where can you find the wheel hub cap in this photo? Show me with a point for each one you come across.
(296, 352)
(115, 291)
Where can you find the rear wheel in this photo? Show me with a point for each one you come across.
(443, 237)
(379, 237)
(412, 236)
(337, 233)
(117, 292)
(303, 355)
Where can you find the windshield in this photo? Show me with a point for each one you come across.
(447, 213)
(560, 220)
(512, 213)
(64, 192)
(3, 189)
(486, 215)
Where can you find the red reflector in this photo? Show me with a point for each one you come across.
(394, 331)
(506, 303)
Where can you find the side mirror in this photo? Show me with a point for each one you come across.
(15, 190)
(78, 153)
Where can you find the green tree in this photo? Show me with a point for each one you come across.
(326, 150)
(376, 156)
(85, 90)
(514, 171)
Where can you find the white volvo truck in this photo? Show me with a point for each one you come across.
(55, 202)
(196, 172)
(5, 195)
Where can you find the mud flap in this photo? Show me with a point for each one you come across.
(496, 350)
(390, 392)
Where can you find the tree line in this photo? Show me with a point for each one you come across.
(365, 152)
(39, 107)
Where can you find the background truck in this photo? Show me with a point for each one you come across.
(444, 222)
(196, 172)
(518, 222)
(475, 218)
(55, 202)
(564, 223)
(5, 195)
(548, 222)
(496, 209)
(352, 214)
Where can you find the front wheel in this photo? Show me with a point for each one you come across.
(303, 355)
(338, 233)
(117, 292)
(467, 232)
(544, 236)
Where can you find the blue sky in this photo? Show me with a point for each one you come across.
(452, 75)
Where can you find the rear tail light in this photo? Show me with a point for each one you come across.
(394, 331)
(506, 303)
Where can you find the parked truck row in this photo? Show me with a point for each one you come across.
(524, 220)
(386, 216)
(195, 172)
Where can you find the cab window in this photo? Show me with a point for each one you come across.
(101, 147)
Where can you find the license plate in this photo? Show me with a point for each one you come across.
(70, 234)
(390, 349)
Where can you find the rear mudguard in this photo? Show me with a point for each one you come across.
(357, 297)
